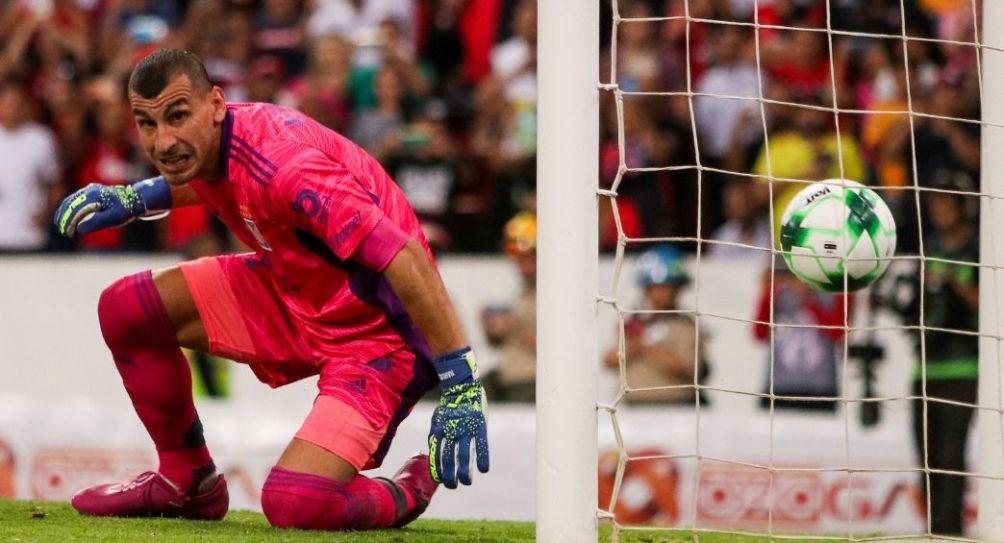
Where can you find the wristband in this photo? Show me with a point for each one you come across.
(155, 193)
(456, 367)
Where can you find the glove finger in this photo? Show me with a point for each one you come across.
(481, 449)
(57, 217)
(435, 452)
(77, 223)
(464, 459)
(77, 198)
(62, 216)
(449, 463)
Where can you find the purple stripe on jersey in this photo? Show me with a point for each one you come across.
(374, 289)
(249, 162)
(251, 171)
(247, 148)
(227, 130)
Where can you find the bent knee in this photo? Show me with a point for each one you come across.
(289, 500)
(130, 310)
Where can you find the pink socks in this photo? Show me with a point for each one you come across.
(142, 340)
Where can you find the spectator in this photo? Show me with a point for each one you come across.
(744, 224)
(514, 63)
(514, 329)
(940, 146)
(108, 160)
(358, 22)
(394, 55)
(29, 173)
(423, 161)
(800, 59)
(17, 27)
(264, 79)
(809, 150)
(322, 92)
(280, 31)
(456, 38)
(727, 128)
(943, 143)
(661, 349)
(639, 201)
(950, 370)
(228, 52)
(374, 129)
(807, 334)
(732, 74)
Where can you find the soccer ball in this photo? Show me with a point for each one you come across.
(837, 226)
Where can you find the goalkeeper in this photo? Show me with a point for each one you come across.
(342, 284)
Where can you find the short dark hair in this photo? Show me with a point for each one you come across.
(155, 71)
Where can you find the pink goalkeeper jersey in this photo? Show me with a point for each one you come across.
(325, 219)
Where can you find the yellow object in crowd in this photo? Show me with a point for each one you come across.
(521, 234)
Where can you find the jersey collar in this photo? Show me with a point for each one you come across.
(227, 129)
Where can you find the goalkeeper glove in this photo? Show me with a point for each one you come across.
(99, 206)
(459, 419)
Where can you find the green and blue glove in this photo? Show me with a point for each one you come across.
(99, 206)
(458, 420)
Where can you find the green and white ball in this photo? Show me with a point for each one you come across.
(835, 227)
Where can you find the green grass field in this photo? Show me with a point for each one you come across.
(37, 522)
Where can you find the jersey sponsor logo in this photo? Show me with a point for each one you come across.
(349, 228)
(257, 234)
(312, 205)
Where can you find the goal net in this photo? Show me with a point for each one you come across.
(739, 400)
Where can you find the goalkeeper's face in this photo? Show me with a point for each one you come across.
(180, 129)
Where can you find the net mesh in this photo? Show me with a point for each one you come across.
(679, 466)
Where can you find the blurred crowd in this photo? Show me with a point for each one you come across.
(802, 73)
(443, 92)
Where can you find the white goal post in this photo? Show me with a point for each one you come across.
(990, 429)
(567, 179)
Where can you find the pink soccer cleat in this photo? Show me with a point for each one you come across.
(415, 479)
(151, 495)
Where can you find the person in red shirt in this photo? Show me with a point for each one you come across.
(107, 161)
(341, 284)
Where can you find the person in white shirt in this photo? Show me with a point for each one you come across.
(733, 74)
(358, 22)
(514, 60)
(746, 225)
(29, 170)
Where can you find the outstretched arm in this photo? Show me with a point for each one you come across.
(459, 419)
(96, 206)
